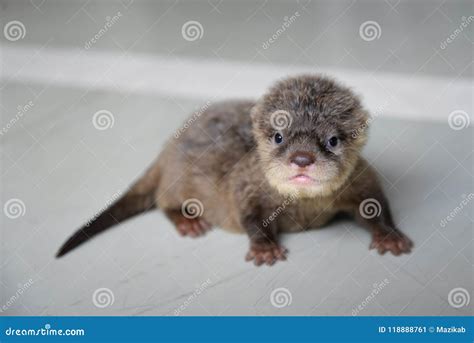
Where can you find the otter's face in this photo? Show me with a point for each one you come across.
(309, 134)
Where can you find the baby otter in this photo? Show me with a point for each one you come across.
(288, 162)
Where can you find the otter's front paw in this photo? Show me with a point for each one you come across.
(267, 253)
(394, 241)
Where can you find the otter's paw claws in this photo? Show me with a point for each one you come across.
(394, 241)
(266, 254)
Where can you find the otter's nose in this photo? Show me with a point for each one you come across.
(302, 159)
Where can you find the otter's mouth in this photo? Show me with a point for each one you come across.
(303, 179)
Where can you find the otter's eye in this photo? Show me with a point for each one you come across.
(278, 138)
(332, 142)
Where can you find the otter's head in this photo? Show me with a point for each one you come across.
(309, 132)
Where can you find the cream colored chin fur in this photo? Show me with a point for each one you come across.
(326, 188)
(286, 188)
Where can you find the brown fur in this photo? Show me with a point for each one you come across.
(228, 159)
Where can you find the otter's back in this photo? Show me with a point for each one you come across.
(219, 137)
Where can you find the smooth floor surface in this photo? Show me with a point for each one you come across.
(63, 170)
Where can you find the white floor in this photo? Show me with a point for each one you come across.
(64, 170)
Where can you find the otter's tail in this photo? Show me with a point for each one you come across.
(140, 198)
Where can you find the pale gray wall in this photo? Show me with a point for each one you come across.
(234, 30)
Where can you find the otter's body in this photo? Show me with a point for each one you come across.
(215, 161)
(286, 163)
(206, 162)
